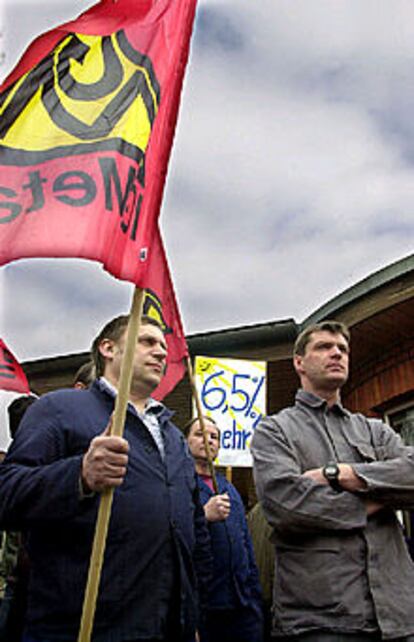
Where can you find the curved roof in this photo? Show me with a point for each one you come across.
(232, 341)
(362, 288)
(273, 340)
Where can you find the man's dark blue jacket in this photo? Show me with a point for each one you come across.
(235, 581)
(155, 511)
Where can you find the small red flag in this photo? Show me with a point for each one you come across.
(12, 376)
(160, 302)
(87, 121)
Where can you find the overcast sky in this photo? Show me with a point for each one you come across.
(291, 177)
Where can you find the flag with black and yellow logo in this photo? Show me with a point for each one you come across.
(86, 127)
(87, 120)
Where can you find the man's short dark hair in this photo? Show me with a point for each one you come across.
(334, 327)
(190, 424)
(114, 330)
(16, 410)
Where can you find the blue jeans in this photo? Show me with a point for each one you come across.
(325, 636)
(244, 624)
(5, 612)
(28, 638)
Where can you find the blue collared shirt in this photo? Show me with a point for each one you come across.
(150, 417)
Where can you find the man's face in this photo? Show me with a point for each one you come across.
(324, 366)
(149, 360)
(195, 440)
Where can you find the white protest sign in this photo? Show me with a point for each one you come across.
(233, 393)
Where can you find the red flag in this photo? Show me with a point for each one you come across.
(160, 303)
(86, 129)
(12, 376)
(87, 121)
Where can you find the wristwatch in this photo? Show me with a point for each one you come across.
(331, 473)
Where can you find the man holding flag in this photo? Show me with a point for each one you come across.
(157, 545)
(86, 129)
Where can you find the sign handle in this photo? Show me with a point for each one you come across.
(200, 418)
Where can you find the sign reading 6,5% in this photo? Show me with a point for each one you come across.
(233, 392)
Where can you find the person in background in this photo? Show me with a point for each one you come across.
(3, 574)
(157, 556)
(14, 564)
(330, 482)
(264, 552)
(234, 608)
(84, 376)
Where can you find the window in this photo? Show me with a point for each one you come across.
(402, 420)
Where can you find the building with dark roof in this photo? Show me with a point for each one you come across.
(379, 311)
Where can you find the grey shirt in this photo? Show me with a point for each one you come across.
(336, 569)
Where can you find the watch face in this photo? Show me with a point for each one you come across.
(331, 471)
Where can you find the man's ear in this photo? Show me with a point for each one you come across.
(297, 363)
(106, 348)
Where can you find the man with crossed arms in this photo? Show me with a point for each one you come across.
(330, 482)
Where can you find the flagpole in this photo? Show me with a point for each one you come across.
(200, 418)
(117, 429)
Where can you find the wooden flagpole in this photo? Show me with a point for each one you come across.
(117, 429)
(200, 418)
